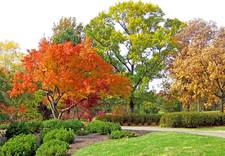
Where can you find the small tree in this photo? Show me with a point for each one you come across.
(68, 71)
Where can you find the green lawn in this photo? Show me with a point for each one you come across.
(158, 143)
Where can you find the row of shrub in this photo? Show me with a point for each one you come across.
(192, 119)
(131, 119)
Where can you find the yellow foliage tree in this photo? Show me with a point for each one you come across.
(10, 56)
(198, 69)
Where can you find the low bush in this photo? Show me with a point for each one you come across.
(20, 145)
(74, 124)
(68, 124)
(42, 134)
(53, 123)
(16, 128)
(93, 125)
(60, 134)
(35, 126)
(107, 127)
(82, 132)
(53, 148)
(120, 134)
(3, 126)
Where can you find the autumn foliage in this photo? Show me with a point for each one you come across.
(198, 68)
(67, 71)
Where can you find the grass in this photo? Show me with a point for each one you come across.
(158, 143)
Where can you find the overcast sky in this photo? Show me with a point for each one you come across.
(26, 21)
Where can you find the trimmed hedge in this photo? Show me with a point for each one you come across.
(192, 119)
(132, 119)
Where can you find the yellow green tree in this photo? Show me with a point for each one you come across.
(10, 56)
(134, 37)
(198, 67)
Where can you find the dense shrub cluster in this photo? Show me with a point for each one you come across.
(120, 134)
(192, 119)
(103, 128)
(82, 132)
(35, 126)
(107, 127)
(131, 119)
(93, 125)
(73, 124)
(20, 145)
(60, 134)
(16, 128)
(53, 147)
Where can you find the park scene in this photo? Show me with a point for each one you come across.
(86, 89)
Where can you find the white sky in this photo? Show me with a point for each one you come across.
(26, 21)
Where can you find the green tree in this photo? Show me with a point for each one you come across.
(135, 39)
(64, 24)
(67, 36)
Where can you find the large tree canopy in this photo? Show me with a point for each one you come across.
(135, 39)
(198, 68)
(68, 71)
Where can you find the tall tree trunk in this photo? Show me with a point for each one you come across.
(131, 106)
(187, 108)
(221, 104)
(214, 106)
(198, 106)
(203, 108)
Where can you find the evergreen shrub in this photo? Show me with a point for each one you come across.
(120, 134)
(60, 134)
(20, 145)
(93, 125)
(53, 148)
(35, 126)
(16, 128)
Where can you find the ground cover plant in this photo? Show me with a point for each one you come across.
(159, 143)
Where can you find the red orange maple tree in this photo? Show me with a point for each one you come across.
(67, 71)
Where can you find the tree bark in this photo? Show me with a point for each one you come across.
(221, 104)
(198, 106)
(131, 106)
